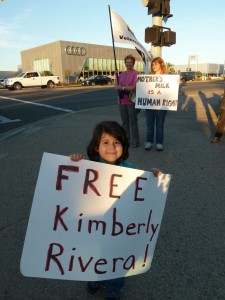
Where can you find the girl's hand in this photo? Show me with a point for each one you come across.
(156, 172)
(76, 157)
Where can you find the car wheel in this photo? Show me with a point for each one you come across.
(17, 86)
(93, 83)
(50, 84)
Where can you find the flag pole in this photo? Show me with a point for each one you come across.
(114, 51)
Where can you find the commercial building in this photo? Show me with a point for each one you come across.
(207, 69)
(72, 59)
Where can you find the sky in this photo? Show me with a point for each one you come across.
(25, 24)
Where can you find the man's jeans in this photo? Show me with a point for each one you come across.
(155, 116)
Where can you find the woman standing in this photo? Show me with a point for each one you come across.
(128, 113)
(154, 116)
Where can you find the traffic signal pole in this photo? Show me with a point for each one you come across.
(156, 35)
(156, 50)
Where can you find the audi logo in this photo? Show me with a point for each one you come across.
(80, 51)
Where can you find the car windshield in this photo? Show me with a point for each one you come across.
(20, 75)
(92, 77)
(188, 73)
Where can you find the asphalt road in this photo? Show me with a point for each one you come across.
(18, 108)
(189, 258)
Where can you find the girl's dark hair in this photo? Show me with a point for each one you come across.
(112, 128)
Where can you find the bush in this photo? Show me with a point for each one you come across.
(46, 73)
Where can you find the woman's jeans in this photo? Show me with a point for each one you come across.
(153, 117)
(128, 114)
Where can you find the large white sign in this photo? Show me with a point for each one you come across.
(92, 221)
(157, 92)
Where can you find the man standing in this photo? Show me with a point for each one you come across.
(220, 126)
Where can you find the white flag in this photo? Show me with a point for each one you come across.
(123, 34)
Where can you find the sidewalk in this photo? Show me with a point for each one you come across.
(189, 256)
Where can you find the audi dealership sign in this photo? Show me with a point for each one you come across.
(71, 50)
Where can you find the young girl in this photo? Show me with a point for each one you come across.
(109, 145)
(155, 116)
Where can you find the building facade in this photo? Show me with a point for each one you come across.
(71, 60)
(207, 69)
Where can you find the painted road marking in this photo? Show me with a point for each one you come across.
(4, 120)
(38, 104)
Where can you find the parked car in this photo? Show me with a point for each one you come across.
(186, 76)
(30, 79)
(97, 80)
(2, 85)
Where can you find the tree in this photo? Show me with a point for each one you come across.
(16, 73)
(170, 68)
(198, 74)
(46, 73)
(68, 73)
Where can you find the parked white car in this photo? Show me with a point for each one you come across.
(30, 79)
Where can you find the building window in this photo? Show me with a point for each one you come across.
(97, 66)
(42, 65)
